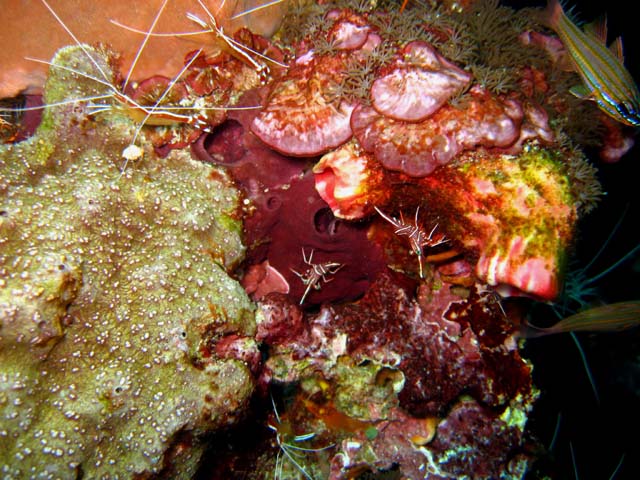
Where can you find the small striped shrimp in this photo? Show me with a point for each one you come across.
(418, 238)
(316, 274)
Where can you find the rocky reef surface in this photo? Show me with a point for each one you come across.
(114, 293)
(303, 257)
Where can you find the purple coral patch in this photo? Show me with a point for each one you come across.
(302, 220)
(288, 216)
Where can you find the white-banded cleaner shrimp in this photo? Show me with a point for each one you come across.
(168, 102)
(292, 448)
(218, 39)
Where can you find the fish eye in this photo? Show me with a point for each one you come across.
(628, 112)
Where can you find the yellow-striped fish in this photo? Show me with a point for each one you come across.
(614, 317)
(606, 80)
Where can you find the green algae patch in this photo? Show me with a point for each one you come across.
(112, 305)
(516, 214)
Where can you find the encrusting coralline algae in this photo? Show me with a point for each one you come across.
(113, 294)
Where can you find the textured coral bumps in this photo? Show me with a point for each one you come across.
(122, 338)
(433, 383)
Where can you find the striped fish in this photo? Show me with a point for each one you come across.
(606, 80)
(614, 317)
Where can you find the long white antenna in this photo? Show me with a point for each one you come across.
(143, 44)
(75, 39)
(255, 9)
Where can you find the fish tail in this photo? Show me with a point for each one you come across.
(553, 14)
(528, 331)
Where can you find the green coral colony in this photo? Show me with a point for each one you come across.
(108, 284)
(126, 339)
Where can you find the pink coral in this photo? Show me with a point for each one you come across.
(617, 141)
(417, 149)
(514, 266)
(349, 30)
(298, 119)
(417, 84)
(262, 279)
(350, 181)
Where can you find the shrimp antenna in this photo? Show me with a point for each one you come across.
(255, 9)
(75, 39)
(144, 43)
(158, 34)
(74, 71)
(57, 104)
(175, 79)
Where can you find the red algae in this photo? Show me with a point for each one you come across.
(451, 354)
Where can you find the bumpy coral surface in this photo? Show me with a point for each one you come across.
(122, 338)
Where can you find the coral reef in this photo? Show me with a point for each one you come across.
(513, 214)
(331, 259)
(123, 340)
(433, 386)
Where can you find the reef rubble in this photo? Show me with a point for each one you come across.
(433, 387)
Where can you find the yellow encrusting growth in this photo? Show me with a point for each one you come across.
(105, 295)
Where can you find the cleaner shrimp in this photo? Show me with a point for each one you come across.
(187, 111)
(226, 43)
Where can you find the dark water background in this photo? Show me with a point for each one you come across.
(598, 433)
